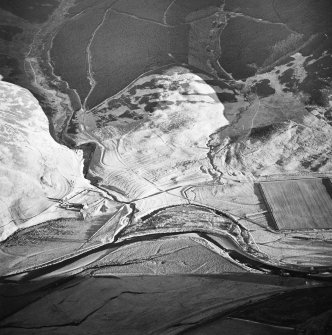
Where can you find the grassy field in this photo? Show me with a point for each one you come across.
(131, 40)
(148, 9)
(181, 8)
(10, 68)
(68, 51)
(246, 44)
(122, 50)
(85, 4)
(304, 16)
(255, 8)
(7, 33)
(299, 204)
(122, 40)
(35, 11)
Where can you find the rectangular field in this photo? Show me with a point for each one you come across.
(299, 204)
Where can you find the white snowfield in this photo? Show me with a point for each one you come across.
(166, 141)
(163, 149)
(33, 166)
(166, 149)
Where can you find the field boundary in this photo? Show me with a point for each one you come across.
(271, 219)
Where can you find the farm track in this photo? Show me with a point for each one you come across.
(166, 11)
(142, 18)
(258, 20)
(91, 79)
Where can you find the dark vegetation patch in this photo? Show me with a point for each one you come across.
(229, 157)
(131, 115)
(318, 81)
(287, 78)
(181, 8)
(7, 33)
(73, 125)
(103, 119)
(88, 151)
(316, 84)
(263, 133)
(174, 86)
(248, 45)
(263, 88)
(165, 104)
(193, 102)
(314, 162)
(68, 51)
(290, 308)
(147, 98)
(95, 180)
(226, 97)
(328, 115)
(146, 85)
(328, 185)
(125, 100)
(149, 9)
(151, 106)
(185, 86)
(152, 101)
(114, 103)
(35, 11)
